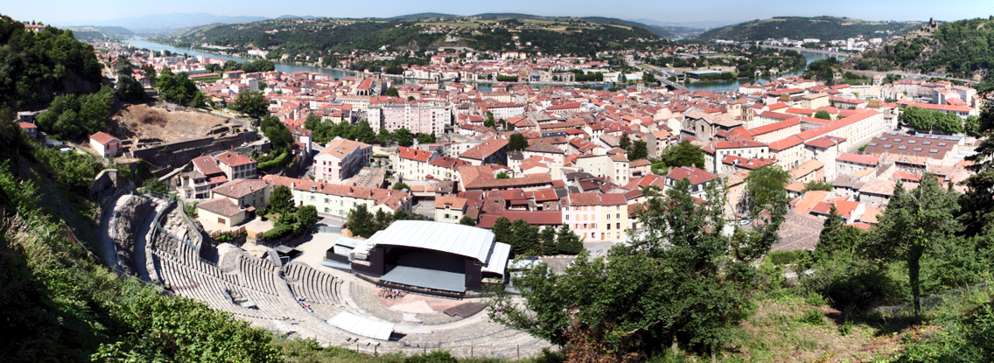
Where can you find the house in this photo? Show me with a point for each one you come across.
(29, 128)
(341, 159)
(105, 145)
(596, 216)
(337, 200)
(696, 177)
(219, 215)
(491, 151)
(249, 194)
(236, 165)
(449, 209)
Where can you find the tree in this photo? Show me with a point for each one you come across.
(179, 89)
(77, 116)
(638, 150)
(281, 200)
(648, 78)
(912, 226)
(517, 142)
(489, 120)
(403, 137)
(766, 190)
(129, 90)
(567, 242)
(624, 142)
(683, 154)
(930, 120)
(824, 115)
(251, 103)
(392, 92)
(467, 221)
(360, 221)
(548, 238)
(399, 185)
(674, 285)
(277, 133)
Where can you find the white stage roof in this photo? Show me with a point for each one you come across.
(451, 238)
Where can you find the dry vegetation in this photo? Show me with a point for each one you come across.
(155, 122)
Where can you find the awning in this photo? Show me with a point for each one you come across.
(362, 326)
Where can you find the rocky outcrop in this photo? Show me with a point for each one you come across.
(127, 229)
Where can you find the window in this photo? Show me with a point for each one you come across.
(221, 220)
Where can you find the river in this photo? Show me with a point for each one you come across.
(339, 73)
(734, 85)
(282, 67)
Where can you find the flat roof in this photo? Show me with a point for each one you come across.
(451, 238)
(426, 277)
(359, 325)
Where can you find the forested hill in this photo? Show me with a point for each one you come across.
(36, 66)
(497, 32)
(821, 27)
(962, 49)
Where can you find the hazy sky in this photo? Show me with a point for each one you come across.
(66, 12)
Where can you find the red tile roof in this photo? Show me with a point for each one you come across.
(103, 138)
(233, 159)
(416, 154)
(484, 150)
(694, 175)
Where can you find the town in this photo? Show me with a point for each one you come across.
(456, 202)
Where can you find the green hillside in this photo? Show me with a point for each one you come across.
(418, 32)
(821, 27)
(962, 48)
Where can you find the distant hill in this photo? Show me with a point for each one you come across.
(416, 32)
(88, 33)
(820, 27)
(163, 23)
(960, 49)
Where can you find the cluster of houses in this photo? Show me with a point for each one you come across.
(578, 168)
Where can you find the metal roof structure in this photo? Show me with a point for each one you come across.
(456, 239)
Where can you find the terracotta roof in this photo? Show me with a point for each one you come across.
(416, 154)
(596, 199)
(206, 165)
(239, 188)
(693, 175)
(342, 147)
(861, 159)
(220, 206)
(103, 138)
(450, 202)
(484, 150)
(535, 218)
(233, 159)
(391, 198)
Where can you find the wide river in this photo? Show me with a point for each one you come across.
(339, 73)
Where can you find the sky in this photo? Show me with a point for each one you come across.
(80, 12)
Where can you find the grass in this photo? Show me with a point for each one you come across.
(789, 327)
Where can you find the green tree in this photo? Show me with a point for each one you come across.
(391, 92)
(649, 78)
(912, 226)
(517, 142)
(567, 242)
(179, 89)
(403, 137)
(360, 221)
(548, 238)
(624, 142)
(467, 221)
(682, 154)
(674, 285)
(489, 120)
(277, 133)
(824, 115)
(930, 120)
(281, 200)
(638, 150)
(251, 103)
(129, 90)
(766, 190)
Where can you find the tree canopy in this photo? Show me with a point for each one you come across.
(179, 89)
(75, 117)
(251, 103)
(930, 120)
(517, 142)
